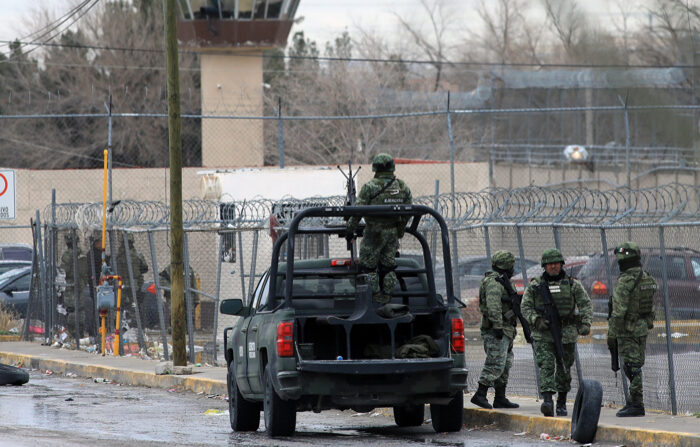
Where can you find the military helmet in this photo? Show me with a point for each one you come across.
(551, 256)
(627, 250)
(383, 163)
(503, 260)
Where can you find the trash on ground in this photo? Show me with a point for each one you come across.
(214, 412)
(544, 436)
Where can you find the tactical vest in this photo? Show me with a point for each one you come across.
(645, 289)
(562, 296)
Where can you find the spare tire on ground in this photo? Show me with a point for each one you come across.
(584, 420)
(11, 375)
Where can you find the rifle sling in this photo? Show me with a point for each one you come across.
(384, 188)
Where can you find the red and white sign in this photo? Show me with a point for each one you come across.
(7, 195)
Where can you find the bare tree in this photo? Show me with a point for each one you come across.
(432, 44)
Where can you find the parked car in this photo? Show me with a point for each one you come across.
(683, 269)
(14, 289)
(7, 265)
(572, 265)
(471, 269)
(16, 251)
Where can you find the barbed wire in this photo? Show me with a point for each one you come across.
(672, 202)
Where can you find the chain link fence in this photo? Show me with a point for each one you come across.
(228, 248)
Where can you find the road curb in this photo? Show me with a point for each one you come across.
(557, 426)
(125, 376)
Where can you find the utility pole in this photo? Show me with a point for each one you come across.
(177, 278)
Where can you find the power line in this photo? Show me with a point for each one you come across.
(38, 44)
(364, 59)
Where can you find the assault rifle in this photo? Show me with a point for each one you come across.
(552, 315)
(515, 300)
(614, 352)
(350, 190)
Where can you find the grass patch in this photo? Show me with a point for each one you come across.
(8, 319)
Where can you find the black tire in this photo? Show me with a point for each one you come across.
(10, 375)
(584, 419)
(244, 415)
(280, 415)
(449, 417)
(409, 415)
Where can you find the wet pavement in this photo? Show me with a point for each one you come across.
(54, 410)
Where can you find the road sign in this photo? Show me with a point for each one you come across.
(7, 195)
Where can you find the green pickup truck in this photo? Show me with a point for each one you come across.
(311, 339)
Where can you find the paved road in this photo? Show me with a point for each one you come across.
(54, 410)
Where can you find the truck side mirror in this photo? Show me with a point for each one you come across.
(234, 307)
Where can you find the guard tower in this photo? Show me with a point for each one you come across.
(231, 36)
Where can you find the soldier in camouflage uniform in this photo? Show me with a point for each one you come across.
(139, 266)
(497, 331)
(75, 290)
(631, 318)
(575, 314)
(381, 236)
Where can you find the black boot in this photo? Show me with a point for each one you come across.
(547, 407)
(630, 410)
(479, 398)
(500, 401)
(561, 404)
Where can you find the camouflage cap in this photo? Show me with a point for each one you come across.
(503, 260)
(627, 250)
(551, 256)
(383, 163)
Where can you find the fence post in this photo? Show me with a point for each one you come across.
(109, 150)
(608, 272)
(523, 269)
(76, 290)
(218, 288)
(42, 273)
(132, 286)
(433, 245)
(189, 311)
(577, 358)
(32, 285)
(159, 301)
(280, 132)
(455, 266)
(51, 229)
(667, 311)
(241, 270)
(253, 261)
(452, 156)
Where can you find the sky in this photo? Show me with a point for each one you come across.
(324, 19)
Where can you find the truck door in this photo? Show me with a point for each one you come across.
(251, 348)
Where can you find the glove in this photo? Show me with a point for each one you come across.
(541, 324)
(349, 235)
(612, 344)
(498, 333)
(584, 329)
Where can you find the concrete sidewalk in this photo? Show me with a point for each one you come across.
(656, 429)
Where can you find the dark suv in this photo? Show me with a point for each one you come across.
(683, 270)
(312, 339)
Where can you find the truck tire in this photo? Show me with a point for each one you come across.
(449, 417)
(244, 415)
(280, 415)
(409, 415)
(584, 420)
(10, 375)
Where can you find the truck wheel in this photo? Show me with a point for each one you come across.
(409, 415)
(449, 417)
(280, 415)
(244, 415)
(584, 420)
(11, 375)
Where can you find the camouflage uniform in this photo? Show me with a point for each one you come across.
(575, 313)
(75, 290)
(631, 318)
(139, 266)
(497, 331)
(380, 239)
